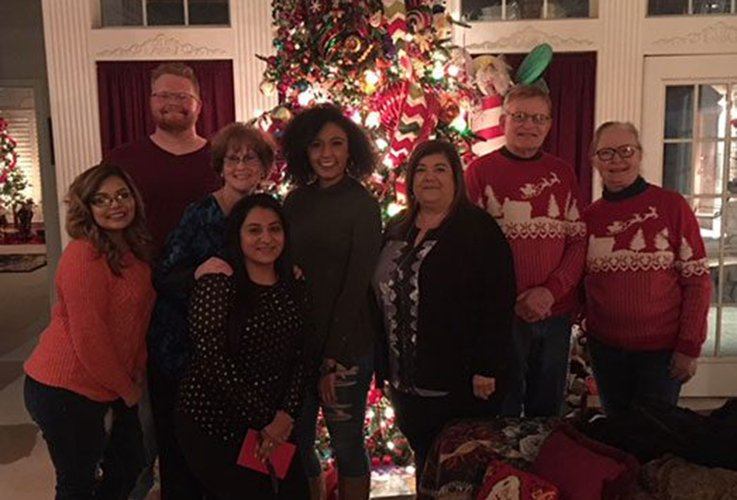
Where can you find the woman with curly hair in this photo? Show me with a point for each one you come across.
(92, 356)
(336, 236)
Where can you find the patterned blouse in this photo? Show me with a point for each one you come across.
(398, 276)
(229, 386)
(198, 237)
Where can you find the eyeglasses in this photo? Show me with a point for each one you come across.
(247, 160)
(106, 201)
(624, 152)
(537, 118)
(174, 96)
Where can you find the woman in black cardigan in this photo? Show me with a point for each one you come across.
(446, 290)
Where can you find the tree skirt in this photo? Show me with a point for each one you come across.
(17, 263)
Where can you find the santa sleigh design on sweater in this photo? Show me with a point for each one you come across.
(634, 256)
(516, 217)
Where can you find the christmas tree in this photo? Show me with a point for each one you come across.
(389, 64)
(12, 180)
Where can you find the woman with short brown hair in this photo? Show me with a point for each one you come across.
(242, 155)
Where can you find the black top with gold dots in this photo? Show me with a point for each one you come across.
(231, 387)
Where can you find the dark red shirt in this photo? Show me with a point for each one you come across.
(168, 182)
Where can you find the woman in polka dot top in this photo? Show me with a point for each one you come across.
(247, 370)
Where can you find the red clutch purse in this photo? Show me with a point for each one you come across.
(278, 461)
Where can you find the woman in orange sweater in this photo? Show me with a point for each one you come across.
(91, 357)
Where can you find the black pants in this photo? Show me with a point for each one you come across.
(215, 464)
(422, 418)
(177, 480)
(73, 427)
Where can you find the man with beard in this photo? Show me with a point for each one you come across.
(172, 168)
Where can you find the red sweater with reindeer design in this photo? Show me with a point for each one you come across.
(647, 277)
(535, 202)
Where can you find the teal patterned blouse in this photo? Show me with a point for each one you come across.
(198, 237)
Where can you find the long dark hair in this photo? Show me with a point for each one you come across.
(303, 129)
(80, 223)
(404, 221)
(245, 289)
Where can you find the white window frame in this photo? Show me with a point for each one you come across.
(593, 9)
(144, 17)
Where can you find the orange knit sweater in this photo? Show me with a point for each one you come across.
(95, 344)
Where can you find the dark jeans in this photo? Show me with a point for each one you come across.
(177, 480)
(146, 479)
(538, 380)
(422, 418)
(215, 464)
(73, 427)
(344, 420)
(624, 377)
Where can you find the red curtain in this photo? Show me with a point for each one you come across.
(124, 88)
(572, 81)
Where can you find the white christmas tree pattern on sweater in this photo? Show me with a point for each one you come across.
(516, 220)
(601, 256)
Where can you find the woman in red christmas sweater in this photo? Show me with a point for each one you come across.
(647, 279)
(92, 356)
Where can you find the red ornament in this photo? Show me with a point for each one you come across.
(374, 396)
(387, 460)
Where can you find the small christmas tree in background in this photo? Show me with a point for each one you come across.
(387, 63)
(12, 180)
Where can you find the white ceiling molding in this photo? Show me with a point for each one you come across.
(527, 38)
(714, 34)
(162, 45)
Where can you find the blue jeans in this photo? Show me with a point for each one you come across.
(73, 427)
(624, 377)
(540, 367)
(344, 420)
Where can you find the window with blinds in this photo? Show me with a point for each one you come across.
(17, 106)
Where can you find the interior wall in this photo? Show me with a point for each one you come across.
(23, 62)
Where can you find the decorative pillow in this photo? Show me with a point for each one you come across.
(584, 469)
(504, 482)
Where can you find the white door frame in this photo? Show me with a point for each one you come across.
(716, 376)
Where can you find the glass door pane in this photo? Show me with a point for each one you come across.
(677, 167)
(709, 216)
(728, 339)
(679, 112)
(165, 12)
(711, 6)
(209, 12)
(708, 167)
(712, 111)
(481, 10)
(667, 7)
(122, 13)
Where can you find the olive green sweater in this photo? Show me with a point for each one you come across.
(335, 239)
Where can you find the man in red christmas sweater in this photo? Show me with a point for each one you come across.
(647, 279)
(533, 196)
